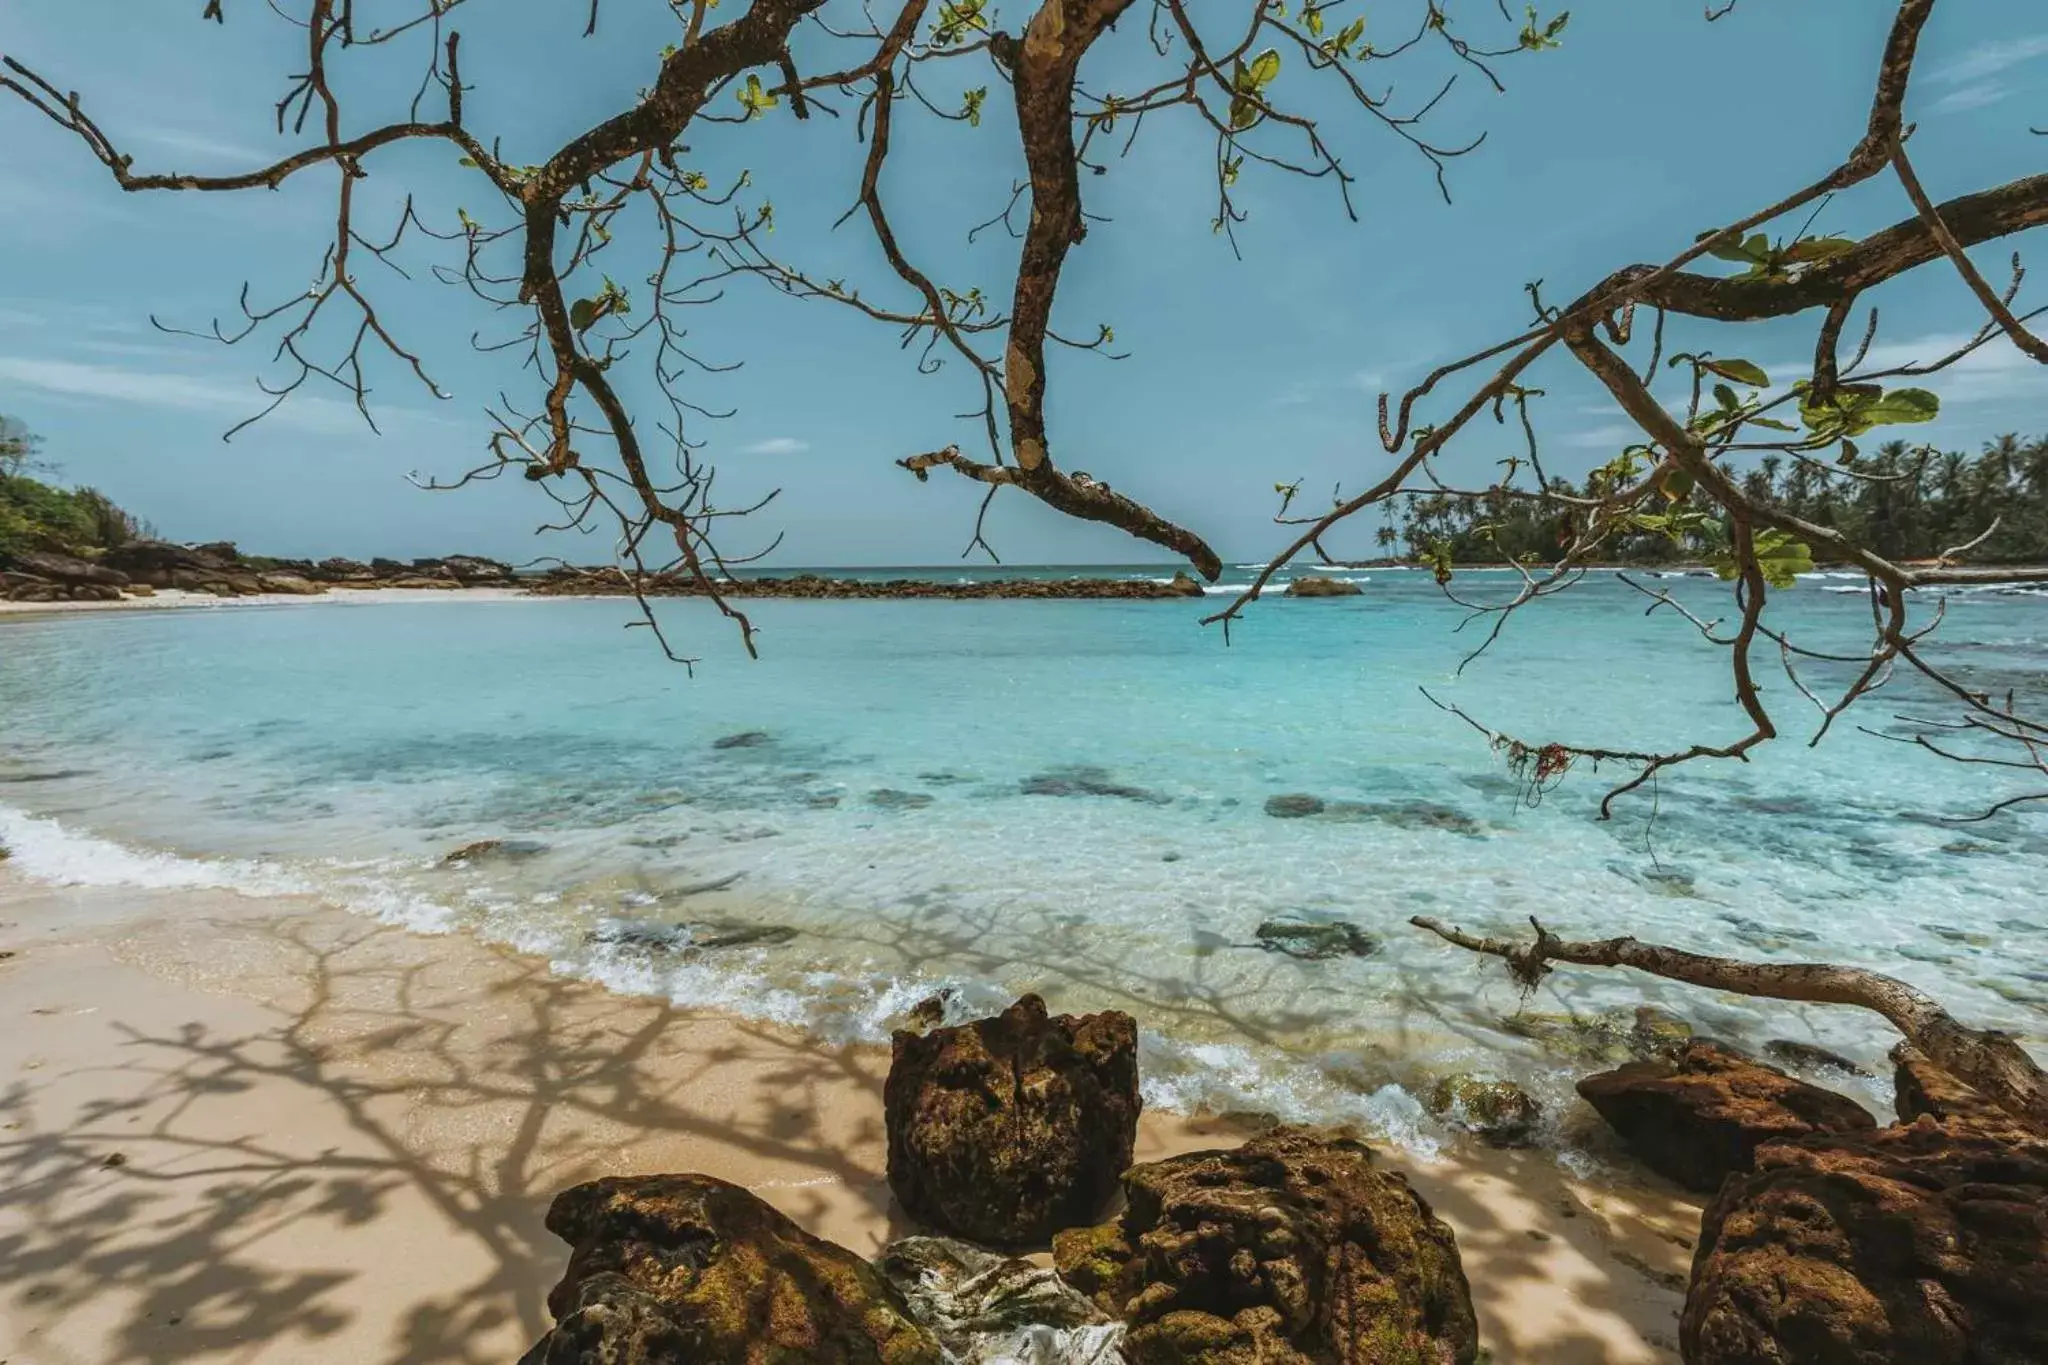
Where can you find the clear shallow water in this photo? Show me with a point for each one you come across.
(345, 750)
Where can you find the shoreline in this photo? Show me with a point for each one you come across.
(336, 1140)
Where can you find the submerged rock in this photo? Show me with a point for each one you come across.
(494, 850)
(1925, 1242)
(1008, 1129)
(1294, 806)
(1292, 1249)
(1322, 587)
(1084, 780)
(1313, 942)
(888, 798)
(745, 739)
(656, 937)
(1607, 1036)
(688, 1268)
(1405, 815)
(1498, 1112)
(1701, 1116)
(993, 1310)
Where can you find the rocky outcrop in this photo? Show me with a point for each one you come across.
(63, 569)
(1290, 1250)
(1926, 1242)
(990, 1310)
(1008, 1129)
(671, 1268)
(578, 582)
(1701, 1116)
(1498, 1112)
(1322, 587)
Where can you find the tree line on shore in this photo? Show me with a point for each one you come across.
(1905, 503)
(36, 515)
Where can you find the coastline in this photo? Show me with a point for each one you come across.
(245, 1129)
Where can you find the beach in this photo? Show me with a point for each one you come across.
(241, 1129)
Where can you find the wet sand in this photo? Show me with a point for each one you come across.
(242, 1130)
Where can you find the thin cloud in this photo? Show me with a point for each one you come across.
(191, 393)
(1615, 434)
(1988, 59)
(776, 445)
(1996, 372)
(1971, 97)
(198, 144)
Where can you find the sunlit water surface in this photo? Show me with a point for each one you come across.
(1066, 797)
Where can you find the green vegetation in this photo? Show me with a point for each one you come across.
(1905, 503)
(35, 515)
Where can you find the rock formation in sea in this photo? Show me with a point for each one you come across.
(1701, 1116)
(1292, 1249)
(1322, 587)
(1006, 1130)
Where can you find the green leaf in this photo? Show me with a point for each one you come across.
(1264, 68)
(582, 314)
(470, 162)
(1754, 250)
(1675, 484)
(754, 99)
(1849, 452)
(1779, 557)
(972, 108)
(1741, 371)
(1725, 396)
(1314, 19)
(1903, 405)
(1244, 112)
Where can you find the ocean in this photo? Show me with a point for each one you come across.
(901, 798)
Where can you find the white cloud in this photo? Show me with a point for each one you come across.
(1616, 434)
(1970, 97)
(200, 145)
(1996, 372)
(776, 445)
(1988, 59)
(190, 393)
(1372, 381)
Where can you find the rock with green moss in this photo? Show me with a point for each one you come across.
(1006, 1130)
(1499, 1112)
(1604, 1036)
(671, 1268)
(1293, 1249)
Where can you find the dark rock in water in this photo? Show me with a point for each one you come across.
(1185, 586)
(739, 935)
(930, 1012)
(988, 1308)
(1925, 1243)
(1950, 934)
(1292, 1249)
(1921, 1087)
(1314, 942)
(1169, 857)
(2023, 926)
(745, 739)
(1700, 1117)
(1007, 1129)
(1294, 806)
(1610, 1036)
(888, 798)
(1084, 780)
(54, 775)
(940, 779)
(1405, 815)
(655, 937)
(494, 849)
(675, 1268)
(1793, 1053)
(1322, 587)
(1499, 1112)
(821, 802)
(1767, 938)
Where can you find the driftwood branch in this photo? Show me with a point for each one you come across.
(1991, 1062)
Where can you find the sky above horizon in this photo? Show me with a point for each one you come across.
(1646, 128)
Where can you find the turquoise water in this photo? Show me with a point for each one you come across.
(1059, 796)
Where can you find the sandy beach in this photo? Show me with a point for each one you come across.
(242, 1130)
(174, 599)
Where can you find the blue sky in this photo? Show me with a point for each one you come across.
(1647, 127)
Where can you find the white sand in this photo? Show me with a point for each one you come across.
(247, 1131)
(175, 599)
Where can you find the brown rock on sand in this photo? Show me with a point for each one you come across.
(1924, 1242)
(1700, 1116)
(1290, 1250)
(1006, 1130)
(688, 1268)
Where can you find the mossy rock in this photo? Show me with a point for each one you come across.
(1499, 1112)
(1290, 1250)
(689, 1268)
